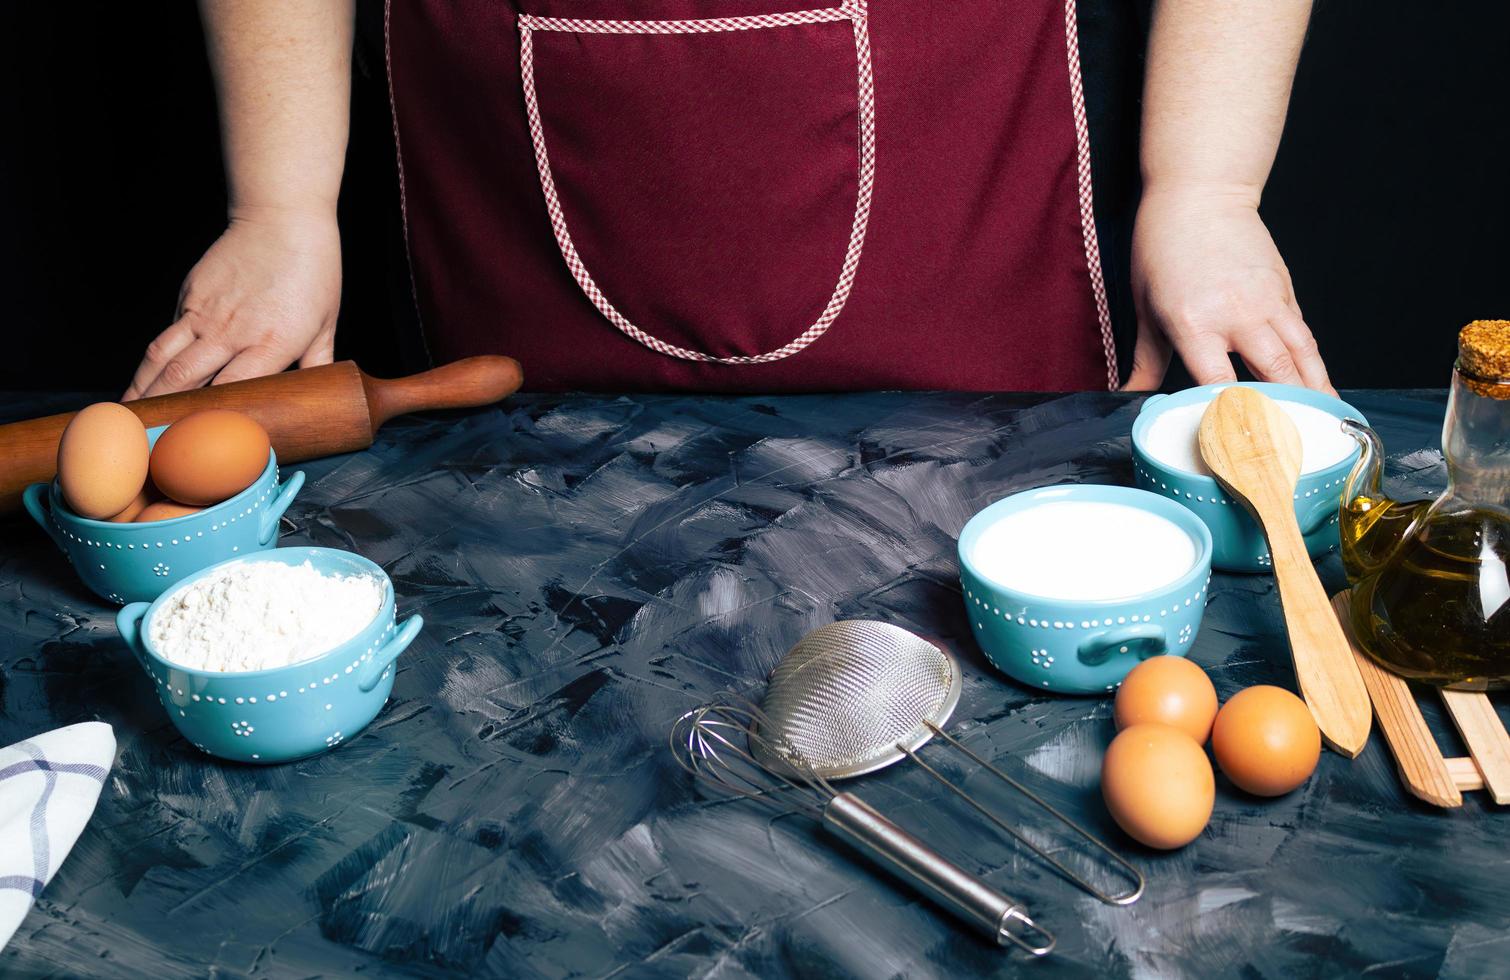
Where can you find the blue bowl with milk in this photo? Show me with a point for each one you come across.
(1070, 587)
(1167, 461)
(282, 713)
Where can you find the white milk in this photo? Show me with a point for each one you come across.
(1172, 438)
(1076, 549)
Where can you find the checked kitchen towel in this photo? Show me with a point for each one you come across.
(48, 788)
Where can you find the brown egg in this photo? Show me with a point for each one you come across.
(1158, 785)
(147, 495)
(102, 460)
(1171, 691)
(165, 510)
(209, 456)
(1265, 740)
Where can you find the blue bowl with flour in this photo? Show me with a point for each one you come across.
(1083, 645)
(1238, 542)
(137, 562)
(282, 713)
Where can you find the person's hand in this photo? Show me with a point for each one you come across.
(1207, 280)
(263, 296)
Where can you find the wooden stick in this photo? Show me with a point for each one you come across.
(1485, 735)
(1465, 773)
(1422, 768)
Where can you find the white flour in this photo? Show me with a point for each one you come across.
(1081, 549)
(1174, 437)
(259, 614)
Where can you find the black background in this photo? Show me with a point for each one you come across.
(1389, 199)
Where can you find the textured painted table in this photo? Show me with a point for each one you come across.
(589, 569)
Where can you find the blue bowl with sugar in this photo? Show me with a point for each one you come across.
(136, 562)
(1069, 587)
(281, 713)
(1167, 461)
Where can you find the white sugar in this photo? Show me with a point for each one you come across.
(1083, 550)
(1173, 437)
(259, 614)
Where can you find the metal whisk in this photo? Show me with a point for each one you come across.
(850, 698)
(855, 696)
(720, 743)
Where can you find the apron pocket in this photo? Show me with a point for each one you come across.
(712, 176)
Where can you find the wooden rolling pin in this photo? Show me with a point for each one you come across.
(318, 411)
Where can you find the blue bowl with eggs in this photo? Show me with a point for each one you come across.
(1238, 542)
(1083, 645)
(283, 713)
(137, 562)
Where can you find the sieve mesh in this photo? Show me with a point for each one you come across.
(849, 692)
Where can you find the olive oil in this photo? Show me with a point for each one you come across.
(1431, 579)
(1439, 609)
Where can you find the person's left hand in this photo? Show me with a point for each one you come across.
(1207, 280)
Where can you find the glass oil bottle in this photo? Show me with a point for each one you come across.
(1431, 578)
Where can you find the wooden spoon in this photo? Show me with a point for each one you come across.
(1254, 450)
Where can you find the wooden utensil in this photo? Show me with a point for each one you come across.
(320, 411)
(1426, 773)
(1254, 451)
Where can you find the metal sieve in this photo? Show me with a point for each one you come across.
(855, 696)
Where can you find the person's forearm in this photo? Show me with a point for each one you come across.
(283, 78)
(1218, 85)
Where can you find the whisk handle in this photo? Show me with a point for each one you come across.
(1004, 921)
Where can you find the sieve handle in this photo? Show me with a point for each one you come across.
(858, 823)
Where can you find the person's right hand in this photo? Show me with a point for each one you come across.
(263, 296)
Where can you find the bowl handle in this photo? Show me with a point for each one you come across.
(388, 653)
(1097, 648)
(1321, 511)
(34, 499)
(129, 622)
(274, 513)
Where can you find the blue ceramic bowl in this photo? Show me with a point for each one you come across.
(283, 713)
(1083, 646)
(1239, 544)
(136, 562)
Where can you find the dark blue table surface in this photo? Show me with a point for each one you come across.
(588, 569)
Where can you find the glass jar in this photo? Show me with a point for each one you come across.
(1431, 586)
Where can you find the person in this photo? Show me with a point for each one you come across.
(753, 195)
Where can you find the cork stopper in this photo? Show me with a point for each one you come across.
(1484, 357)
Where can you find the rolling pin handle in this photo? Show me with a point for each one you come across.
(34, 499)
(468, 383)
(268, 532)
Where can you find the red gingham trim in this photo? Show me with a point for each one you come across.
(403, 196)
(852, 10)
(1087, 202)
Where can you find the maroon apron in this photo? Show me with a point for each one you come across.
(752, 195)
